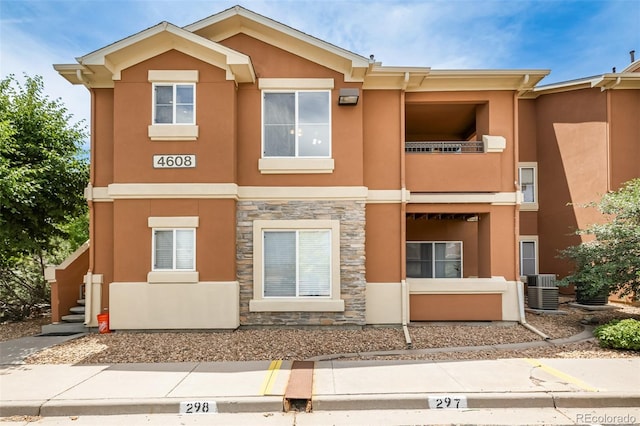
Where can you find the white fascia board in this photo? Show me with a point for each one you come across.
(258, 26)
(237, 64)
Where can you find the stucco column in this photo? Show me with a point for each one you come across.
(484, 245)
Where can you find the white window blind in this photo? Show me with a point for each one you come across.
(163, 250)
(174, 249)
(314, 263)
(527, 184)
(527, 258)
(297, 263)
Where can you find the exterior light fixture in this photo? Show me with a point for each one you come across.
(348, 96)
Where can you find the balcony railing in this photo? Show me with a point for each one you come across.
(445, 147)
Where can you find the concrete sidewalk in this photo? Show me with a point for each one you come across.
(73, 390)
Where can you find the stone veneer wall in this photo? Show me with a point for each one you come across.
(351, 215)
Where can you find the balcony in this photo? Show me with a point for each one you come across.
(431, 167)
(444, 147)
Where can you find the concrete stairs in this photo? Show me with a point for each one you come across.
(71, 324)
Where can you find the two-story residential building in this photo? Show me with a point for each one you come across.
(246, 173)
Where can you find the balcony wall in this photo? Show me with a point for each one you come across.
(454, 172)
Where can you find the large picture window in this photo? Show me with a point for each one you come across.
(296, 266)
(173, 103)
(434, 259)
(173, 249)
(297, 263)
(297, 124)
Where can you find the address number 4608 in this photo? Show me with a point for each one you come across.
(174, 161)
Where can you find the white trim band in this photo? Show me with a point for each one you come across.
(174, 222)
(495, 198)
(294, 83)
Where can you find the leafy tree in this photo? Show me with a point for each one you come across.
(43, 172)
(610, 262)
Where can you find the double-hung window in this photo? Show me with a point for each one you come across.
(174, 249)
(174, 103)
(296, 124)
(297, 263)
(434, 259)
(528, 185)
(528, 257)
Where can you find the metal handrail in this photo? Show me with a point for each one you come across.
(444, 147)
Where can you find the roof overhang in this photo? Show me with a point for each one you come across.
(102, 67)
(413, 79)
(240, 20)
(612, 81)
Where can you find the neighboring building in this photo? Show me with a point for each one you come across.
(577, 140)
(245, 173)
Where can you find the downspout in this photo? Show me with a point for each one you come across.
(403, 219)
(519, 284)
(608, 159)
(89, 195)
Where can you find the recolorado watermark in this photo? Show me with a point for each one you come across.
(605, 419)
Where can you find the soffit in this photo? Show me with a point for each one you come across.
(239, 20)
(430, 80)
(101, 67)
(440, 118)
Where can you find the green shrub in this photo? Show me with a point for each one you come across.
(618, 334)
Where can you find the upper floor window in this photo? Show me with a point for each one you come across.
(296, 123)
(434, 259)
(527, 176)
(174, 103)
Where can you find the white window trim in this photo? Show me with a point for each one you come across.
(173, 131)
(301, 304)
(296, 164)
(434, 253)
(529, 206)
(173, 275)
(533, 239)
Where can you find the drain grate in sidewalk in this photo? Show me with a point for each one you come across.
(300, 387)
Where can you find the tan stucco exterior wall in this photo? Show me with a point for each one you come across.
(624, 113)
(102, 133)
(383, 243)
(215, 236)
(572, 168)
(346, 144)
(382, 138)
(215, 118)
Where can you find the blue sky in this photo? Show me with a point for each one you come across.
(573, 39)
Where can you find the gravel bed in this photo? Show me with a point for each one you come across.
(29, 327)
(303, 343)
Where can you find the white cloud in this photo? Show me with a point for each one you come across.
(573, 38)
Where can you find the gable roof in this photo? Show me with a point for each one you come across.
(203, 38)
(101, 67)
(237, 20)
